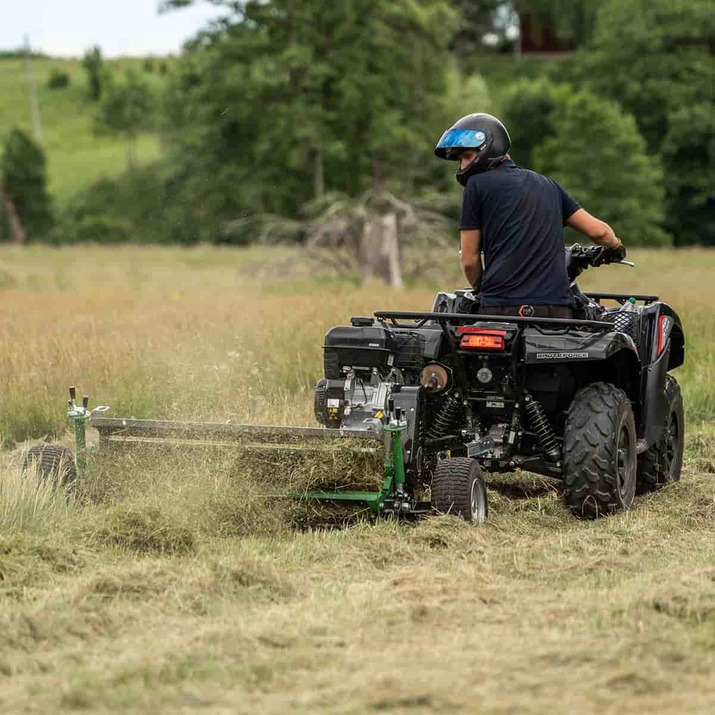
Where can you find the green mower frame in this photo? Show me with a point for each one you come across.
(390, 499)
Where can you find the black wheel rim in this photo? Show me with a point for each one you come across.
(670, 447)
(624, 462)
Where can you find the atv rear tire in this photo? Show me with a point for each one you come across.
(662, 462)
(53, 462)
(458, 488)
(599, 452)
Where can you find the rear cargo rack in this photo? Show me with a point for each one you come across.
(622, 297)
(419, 319)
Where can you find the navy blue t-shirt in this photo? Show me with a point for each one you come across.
(521, 216)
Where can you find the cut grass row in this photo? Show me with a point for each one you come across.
(148, 603)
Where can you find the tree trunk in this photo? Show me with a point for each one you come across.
(378, 183)
(16, 228)
(380, 250)
(318, 173)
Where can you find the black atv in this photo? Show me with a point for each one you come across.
(587, 400)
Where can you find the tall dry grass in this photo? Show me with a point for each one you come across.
(177, 580)
(29, 503)
(237, 335)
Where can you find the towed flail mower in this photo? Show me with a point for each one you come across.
(442, 399)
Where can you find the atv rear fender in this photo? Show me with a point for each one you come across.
(667, 351)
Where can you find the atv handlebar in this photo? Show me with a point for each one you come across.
(578, 259)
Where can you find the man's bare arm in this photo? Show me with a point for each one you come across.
(471, 259)
(598, 231)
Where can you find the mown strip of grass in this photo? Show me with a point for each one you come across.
(143, 597)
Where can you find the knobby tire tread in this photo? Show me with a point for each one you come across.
(651, 472)
(590, 452)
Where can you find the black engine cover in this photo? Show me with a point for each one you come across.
(359, 348)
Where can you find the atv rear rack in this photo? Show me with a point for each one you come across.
(421, 318)
(622, 297)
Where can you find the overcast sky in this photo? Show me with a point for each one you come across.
(119, 27)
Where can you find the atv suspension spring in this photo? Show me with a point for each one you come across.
(447, 419)
(544, 431)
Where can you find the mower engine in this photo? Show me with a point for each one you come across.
(372, 371)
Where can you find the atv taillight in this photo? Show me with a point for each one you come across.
(479, 341)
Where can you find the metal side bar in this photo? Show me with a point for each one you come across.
(622, 297)
(421, 318)
(117, 428)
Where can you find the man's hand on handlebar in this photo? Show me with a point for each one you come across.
(613, 254)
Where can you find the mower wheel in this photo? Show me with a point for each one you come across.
(662, 462)
(52, 462)
(458, 488)
(599, 452)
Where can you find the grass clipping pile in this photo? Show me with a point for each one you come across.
(236, 490)
(347, 466)
(293, 472)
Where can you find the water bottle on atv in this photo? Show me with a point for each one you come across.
(587, 401)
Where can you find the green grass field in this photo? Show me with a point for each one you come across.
(76, 156)
(171, 581)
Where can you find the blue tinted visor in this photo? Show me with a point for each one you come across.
(453, 141)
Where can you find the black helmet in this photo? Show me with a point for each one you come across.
(482, 132)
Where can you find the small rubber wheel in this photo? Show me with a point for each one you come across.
(662, 462)
(458, 488)
(52, 462)
(599, 452)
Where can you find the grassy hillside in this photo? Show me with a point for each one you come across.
(76, 155)
(175, 581)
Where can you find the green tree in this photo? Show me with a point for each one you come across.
(127, 108)
(23, 186)
(93, 62)
(58, 79)
(478, 19)
(527, 110)
(598, 156)
(287, 99)
(689, 157)
(655, 57)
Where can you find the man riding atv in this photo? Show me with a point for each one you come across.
(516, 218)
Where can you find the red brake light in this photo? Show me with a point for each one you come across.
(480, 331)
(480, 341)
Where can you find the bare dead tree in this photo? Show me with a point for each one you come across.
(376, 235)
(16, 228)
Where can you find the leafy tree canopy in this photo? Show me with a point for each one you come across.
(93, 62)
(655, 57)
(598, 156)
(23, 172)
(286, 99)
(127, 108)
